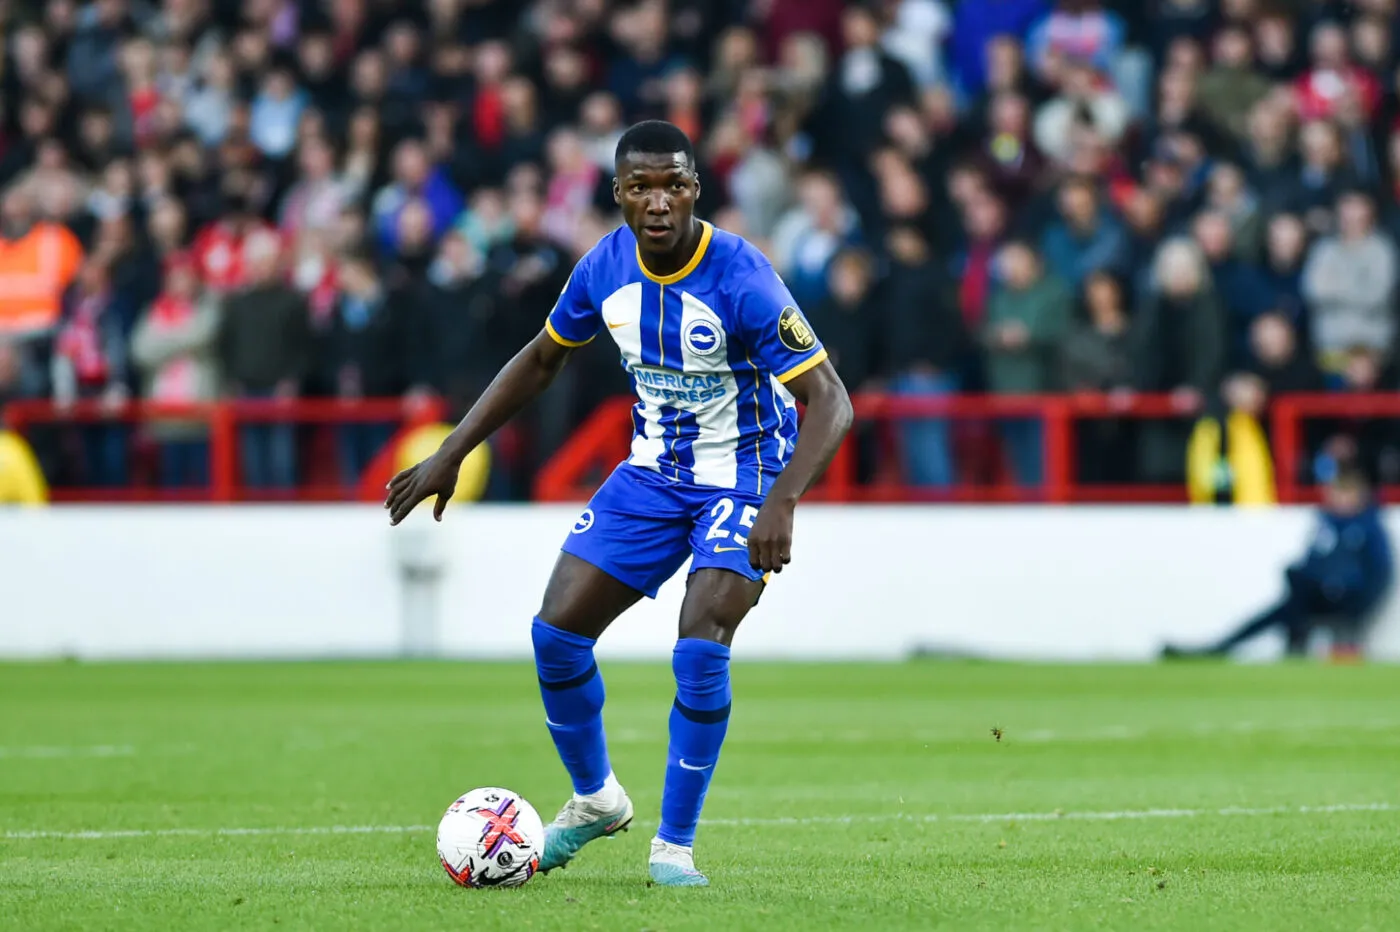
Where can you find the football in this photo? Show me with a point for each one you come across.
(490, 837)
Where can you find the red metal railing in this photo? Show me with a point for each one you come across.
(602, 441)
(223, 420)
(1288, 416)
(575, 471)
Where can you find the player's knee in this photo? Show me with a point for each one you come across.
(703, 692)
(709, 625)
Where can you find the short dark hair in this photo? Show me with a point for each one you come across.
(654, 137)
(1354, 193)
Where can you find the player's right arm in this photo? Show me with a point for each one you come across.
(572, 323)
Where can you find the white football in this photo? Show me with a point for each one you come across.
(490, 837)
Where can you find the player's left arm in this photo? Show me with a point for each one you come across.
(824, 425)
(780, 337)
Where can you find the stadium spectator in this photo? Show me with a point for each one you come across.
(90, 362)
(864, 84)
(1278, 361)
(532, 271)
(1349, 283)
(1008, 155)
(173, 349)
(1086, 238)
(39, 260)
(415, 177)
(1232, 89)
(1179, 347)
(1339, 581)
(984, 220)
(1322, 177)
(1096, 356)
(783, 18)
(915, 36)
(925, 344)
(1334, 80)
(1228, 194)
(1241, 287)
(276, 113)
(264, 349)
(374, 350)
(847, 317)
(1286, 248)
(753, 176)
(1028, 317)
(208, 105)
(220, 248)
(975, 25)
(1086, 105)
(809, 235)
(461, 316)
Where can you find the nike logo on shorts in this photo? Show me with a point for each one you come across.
(731, 550)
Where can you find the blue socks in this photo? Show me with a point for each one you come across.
(699, 719)
(573, 703)
(572, 689)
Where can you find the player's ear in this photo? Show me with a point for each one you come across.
(617, 191)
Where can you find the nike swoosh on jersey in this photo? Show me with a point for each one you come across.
(685, 766)
(615, 326)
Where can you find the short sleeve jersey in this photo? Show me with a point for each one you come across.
(707, 349)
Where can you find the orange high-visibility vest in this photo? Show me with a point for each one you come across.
(34, 272)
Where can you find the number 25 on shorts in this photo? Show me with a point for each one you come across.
(722, 512)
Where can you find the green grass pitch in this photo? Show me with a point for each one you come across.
(303, 796)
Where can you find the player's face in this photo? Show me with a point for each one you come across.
(657, 196)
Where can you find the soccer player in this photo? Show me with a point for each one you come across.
(717, 351)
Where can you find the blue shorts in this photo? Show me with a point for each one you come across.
(640, 527)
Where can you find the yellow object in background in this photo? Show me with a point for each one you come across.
(423, 442)
(21, 479)
(1241, 472)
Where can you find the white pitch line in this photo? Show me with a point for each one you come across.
(238, 832)
(1096, 816)
(1090, 815)
(57, 751)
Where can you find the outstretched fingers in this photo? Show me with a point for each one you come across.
(403, 500)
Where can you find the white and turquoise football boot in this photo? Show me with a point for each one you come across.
(584, 819)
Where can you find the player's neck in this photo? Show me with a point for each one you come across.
(675, 260)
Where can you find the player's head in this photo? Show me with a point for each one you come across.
(1348, 491)
(656, 184)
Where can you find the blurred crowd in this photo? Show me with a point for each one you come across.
(380, 198)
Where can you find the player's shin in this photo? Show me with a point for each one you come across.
(699, 720)
(572, 689)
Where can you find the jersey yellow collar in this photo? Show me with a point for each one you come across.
(706, 233)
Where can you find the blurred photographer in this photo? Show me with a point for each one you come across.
(1343, 576)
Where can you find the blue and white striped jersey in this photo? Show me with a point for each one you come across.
(708, 350)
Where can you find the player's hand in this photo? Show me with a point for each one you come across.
(436, 475)
(770, 541)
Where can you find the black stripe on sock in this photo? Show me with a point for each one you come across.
(703, 716)
(573, 682)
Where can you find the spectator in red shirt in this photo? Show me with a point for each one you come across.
(218, 249)
(1321, 90)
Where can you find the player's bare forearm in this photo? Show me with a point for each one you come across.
(824, 426)
(519, 382)
(516, 385)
